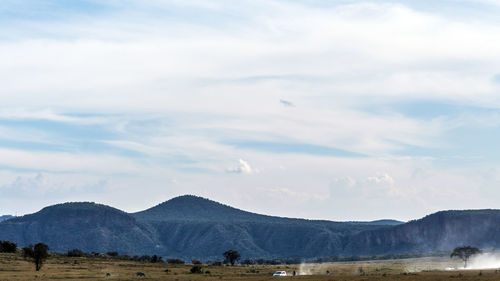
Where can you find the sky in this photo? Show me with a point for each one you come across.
(338, 110)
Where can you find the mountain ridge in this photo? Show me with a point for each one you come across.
(6, 217)
(195, 227)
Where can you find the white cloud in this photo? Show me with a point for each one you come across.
(381, 178)
(242, 168)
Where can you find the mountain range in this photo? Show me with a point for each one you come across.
(193, 227)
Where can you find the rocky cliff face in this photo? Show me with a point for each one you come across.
(441, 231)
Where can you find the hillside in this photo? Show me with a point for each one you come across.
(194, 227)
(190, 225)
(441, 231)
(87, 226)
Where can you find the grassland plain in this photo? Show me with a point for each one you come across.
(14, 267)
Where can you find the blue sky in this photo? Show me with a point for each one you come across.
(341, 110)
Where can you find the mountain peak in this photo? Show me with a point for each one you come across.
(189, 198)
(194, 208)
(75, 209)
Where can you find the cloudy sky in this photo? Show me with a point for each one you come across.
(341, 110)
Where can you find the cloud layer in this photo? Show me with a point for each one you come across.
(385, 102)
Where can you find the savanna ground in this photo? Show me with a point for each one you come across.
(14, 267)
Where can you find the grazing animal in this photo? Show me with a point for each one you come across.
(108, 274)
(140, 274)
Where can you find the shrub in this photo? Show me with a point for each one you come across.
(75, 253)
(196, 262)
(196, 269)
(112, 254)
(8, 247)
(156, 258)
(175, 261)
(145, 258)
(248, 262)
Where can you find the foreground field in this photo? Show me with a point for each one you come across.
(13, 267)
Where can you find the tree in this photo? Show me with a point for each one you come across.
(37, 254)
(231, 256)
(8, 247)
(464, 253)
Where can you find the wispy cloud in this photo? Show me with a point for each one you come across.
(287, 103)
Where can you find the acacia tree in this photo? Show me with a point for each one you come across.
(231, 256)
(37, 254)
(464, 253)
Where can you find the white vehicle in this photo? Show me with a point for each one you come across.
(280, 273)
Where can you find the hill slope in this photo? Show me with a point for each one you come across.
(87, 226)
(441, 231)
(192, 226)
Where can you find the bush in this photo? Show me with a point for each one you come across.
(197, 269)
(75, 253)
(112, 254)
(155, 259)
(196, 262)
(217, 263)
(8, 247)
(145, 258)
(175, 261)
(28, 252)
(248, 262)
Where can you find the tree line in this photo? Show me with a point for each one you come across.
(39, 252)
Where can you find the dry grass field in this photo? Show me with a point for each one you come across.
(14, 267)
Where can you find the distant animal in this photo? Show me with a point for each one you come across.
(140, 274)
(108, 274)
(328, 272)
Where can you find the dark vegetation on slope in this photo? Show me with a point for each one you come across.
(193, 227)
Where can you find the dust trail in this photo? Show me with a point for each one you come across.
(485, 261)
(314, 268)
(488, 260)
